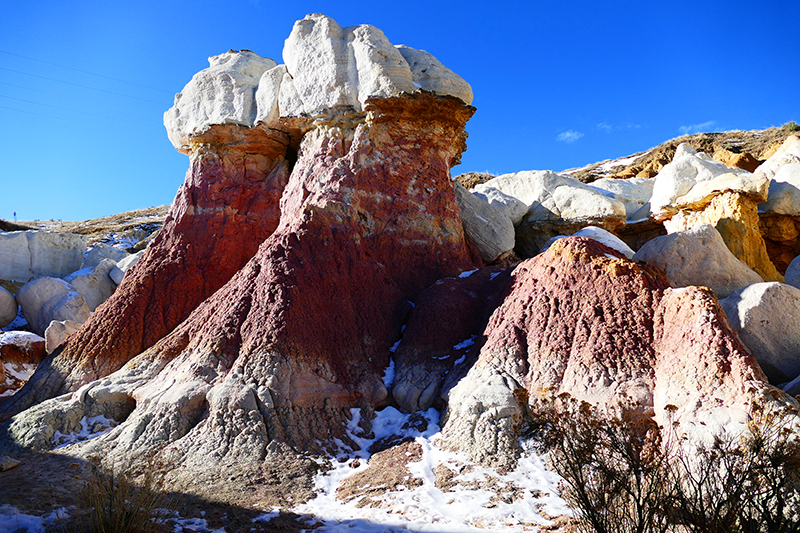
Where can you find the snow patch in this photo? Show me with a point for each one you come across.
(388, 374)
(427, 508)
(90, 428)
(467, 273)
(12, 520)
(466, 343)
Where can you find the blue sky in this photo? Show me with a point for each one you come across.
(84, 84)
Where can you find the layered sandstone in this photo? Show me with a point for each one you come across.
(582, 319)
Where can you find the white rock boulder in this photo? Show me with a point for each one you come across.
(512, 208)
(8, 307)
(25, 255)
(698, 256)
(94, 283)
(224, 93)
(766, 316)
(58, 332)
(793, 273)
(784, 191)
(486, 226)
(46, 299)
(788, 153)
(100, 251)
(677, 178)
(601, 236)
(633, 192)
(121, 268)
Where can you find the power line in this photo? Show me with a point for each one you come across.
(81, 86)
(64, 96)
(114, 119)
(86, 72)
(92, 124)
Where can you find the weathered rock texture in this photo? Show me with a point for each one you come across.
(228, 205)
(45, 299)
(94, 282)
(26, 255)
(441, 338)
(583, 320)
(698, 256)
(780, 213)
(487, 227)
(766, 316)
(8, 308)
(301, 334)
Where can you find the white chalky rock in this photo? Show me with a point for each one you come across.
(46, 299)
(94, 283)
(766, 316)
(121, 268)
(25, 255)
(58, 332)
(8, 308)
(676, 179)
(788, 153)
(633, 192)
(430, 75)
(600, 235)
(552, 196)
(487, 227)
(101, 251)
(793, 273)
(784, 191)
(512, 208)
(224, 93)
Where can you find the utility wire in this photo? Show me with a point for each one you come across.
(64, 96)
(81, 86)
(85, 72)
(114, 119)
(92, 124)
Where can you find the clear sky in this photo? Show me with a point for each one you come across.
(84, 84)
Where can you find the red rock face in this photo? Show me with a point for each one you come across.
(303, 331)
(227, 206)
(582, 320)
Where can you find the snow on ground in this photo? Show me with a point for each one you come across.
(12, 520)
(90, 428)
(466, 507)
(18, 322)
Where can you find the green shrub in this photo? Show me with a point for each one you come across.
(791, 126)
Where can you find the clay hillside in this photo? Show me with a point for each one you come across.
(327, 331)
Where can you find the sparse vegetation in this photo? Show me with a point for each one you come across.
(791, 126)
(625, 474)
(113, 503)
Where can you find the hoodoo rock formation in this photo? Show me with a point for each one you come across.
(227, 206)
(300, 335)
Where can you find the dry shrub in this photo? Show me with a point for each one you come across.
(624, 474)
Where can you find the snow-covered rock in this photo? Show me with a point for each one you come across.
(633, 192)
(118, 272)
(94, 283)
(224, 93)
(601, 236)
(487, 227)
(698, 256)
(8, 308)
(25, 255)
(676, 179)
(766, 316)
(46, 299)
(101, 251)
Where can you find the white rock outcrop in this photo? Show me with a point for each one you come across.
(687, 169)
(486, 226)
(784, 191)
(121, 268)
(224, 93)
(94, 283)
(793, 273)
(25, 255)
(8, 307)
(100, 251)
(552, 196)
(766, 316)
(788, 153)
(46, 299)
(633, 192)
(512, 208)
(698, 256)
(57, 333)
(327, 68)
